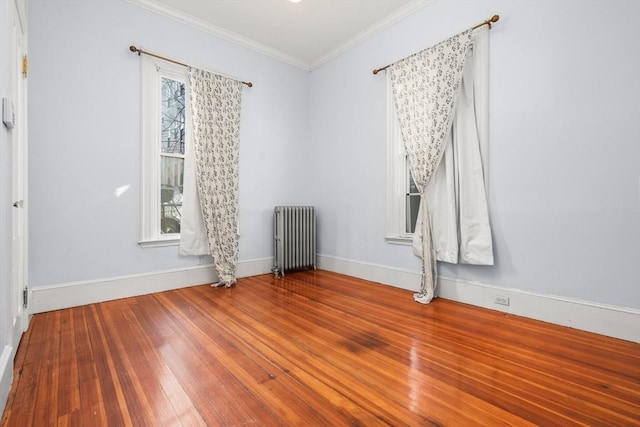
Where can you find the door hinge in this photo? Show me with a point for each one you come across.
(25, 66)
(25, 298)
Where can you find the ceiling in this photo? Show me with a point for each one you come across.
(305, 34)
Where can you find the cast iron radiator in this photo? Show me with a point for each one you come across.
(294, 238)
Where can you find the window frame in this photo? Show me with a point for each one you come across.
(152, 72)
(397, 181)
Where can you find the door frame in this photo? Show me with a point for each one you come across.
(19, 292)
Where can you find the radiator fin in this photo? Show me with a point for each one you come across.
(294, 238)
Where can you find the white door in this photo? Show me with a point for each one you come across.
(18, 149)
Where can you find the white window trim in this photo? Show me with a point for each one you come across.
(152, 71)
(397, 173)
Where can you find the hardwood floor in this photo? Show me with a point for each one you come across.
(314, 349)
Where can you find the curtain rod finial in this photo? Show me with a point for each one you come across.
(495, 18)
(132, 48)
(377, 70)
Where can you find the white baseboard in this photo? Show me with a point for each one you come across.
(65, 295)
(403, 279)
(617, 322)
(6, 375)
(254, 267)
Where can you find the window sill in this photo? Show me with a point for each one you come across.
(399, 240)
(173, 240)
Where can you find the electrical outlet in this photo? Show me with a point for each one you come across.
(501, 299)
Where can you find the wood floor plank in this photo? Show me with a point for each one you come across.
(298, 360)
(92, 411)
(354, 350)
(202, 375)
(154, 319)
(111, 392)
(314, 349)
(239, 367)
(47, 391)
(157, 375)
(141, 395)
(68, 390)
(358, 344)
(539, 345)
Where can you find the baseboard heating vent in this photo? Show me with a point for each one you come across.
(294, 239)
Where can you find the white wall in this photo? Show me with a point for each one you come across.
(84, 114)
(565, 146)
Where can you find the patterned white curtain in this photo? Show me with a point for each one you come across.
(215, 113)
(457, 194)
(425, 88)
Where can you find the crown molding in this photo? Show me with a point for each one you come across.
(248, 43)
(376, 28)
(207, 27)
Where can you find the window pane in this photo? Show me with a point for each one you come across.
(413, 203)
(171, 173)
(412, 185)
(173, 122)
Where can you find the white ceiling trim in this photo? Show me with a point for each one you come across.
(378, 27)
(202, 25)
(199, 24)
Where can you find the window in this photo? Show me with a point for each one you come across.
(403, 198)
(165, 133)
(412, 202)
(172, 135)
